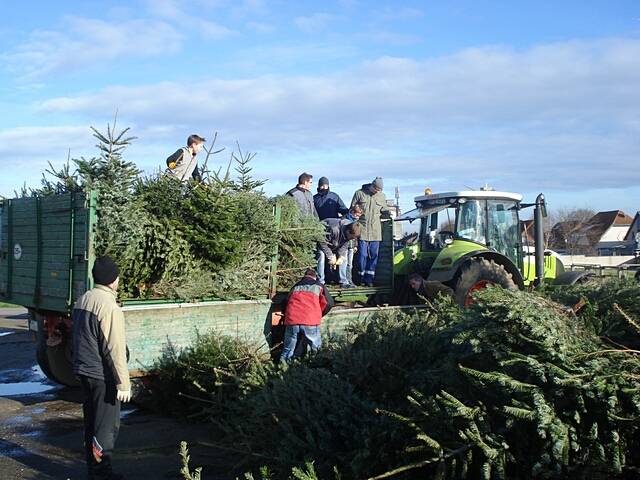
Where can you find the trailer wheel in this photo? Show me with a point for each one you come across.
(478, 274)
(41, 347)
(55, 362)
(61, 366)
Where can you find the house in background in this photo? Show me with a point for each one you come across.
(604, 234)
(633, 235)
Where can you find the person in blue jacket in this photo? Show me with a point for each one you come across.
(328, 204)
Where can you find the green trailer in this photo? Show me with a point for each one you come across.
(46, 256)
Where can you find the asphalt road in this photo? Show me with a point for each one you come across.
(41, 423)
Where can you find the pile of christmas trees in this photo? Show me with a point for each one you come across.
(517, 386)
(188, 240)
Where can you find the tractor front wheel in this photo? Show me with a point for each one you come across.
(477, 275)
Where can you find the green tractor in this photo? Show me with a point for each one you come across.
(482, 246)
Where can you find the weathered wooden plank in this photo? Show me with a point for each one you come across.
(150, 330)
(51, 203)
(27, 218)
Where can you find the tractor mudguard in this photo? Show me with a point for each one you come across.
(572, 277)
(446, 276)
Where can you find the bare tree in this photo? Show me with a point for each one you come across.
(564, 226)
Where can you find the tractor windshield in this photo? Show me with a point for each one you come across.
(493, 223)
(504, 232)
(471, 221)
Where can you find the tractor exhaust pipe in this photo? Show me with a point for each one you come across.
(539, 213)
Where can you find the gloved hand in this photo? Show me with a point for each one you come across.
(123, 395)
(340, 261)
(172, 165)
(332, 262)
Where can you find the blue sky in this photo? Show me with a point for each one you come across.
(524, 96)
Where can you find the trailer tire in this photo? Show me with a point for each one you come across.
(61, 366)
(41, 346)
(55, 362)
(478, 274)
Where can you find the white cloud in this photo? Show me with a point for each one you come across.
(21, 143)
(561, 116)
(178, 13)
(260, 27)
(402, 13)
(314, 23)
(81, 41)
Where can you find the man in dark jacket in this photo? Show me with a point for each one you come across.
(333, 248)
(100, 362)
(303, 196)
(308, 302)
(328, 204)
(374, 205)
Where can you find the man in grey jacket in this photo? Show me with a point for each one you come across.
(373, 204)
(303, 197)
(100, 362)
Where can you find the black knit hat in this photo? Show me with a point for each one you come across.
(105, 271)
(323, 181)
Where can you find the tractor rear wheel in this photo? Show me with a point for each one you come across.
(478, 274)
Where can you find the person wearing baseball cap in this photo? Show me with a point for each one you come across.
(100, 362)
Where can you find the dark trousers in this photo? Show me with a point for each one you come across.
(367, 260)
(101, 411)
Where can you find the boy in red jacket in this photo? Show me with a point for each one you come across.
(308, 302)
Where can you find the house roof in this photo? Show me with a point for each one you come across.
(597, 225)
(636, 221)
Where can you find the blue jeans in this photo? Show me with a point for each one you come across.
(342, 268)
(368, 259)
(311, 336)
(321, 257)
(346, 268)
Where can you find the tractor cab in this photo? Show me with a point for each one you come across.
(484, 218)
(472, 238)
(471, 229)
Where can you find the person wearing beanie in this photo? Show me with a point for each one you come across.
(374, 205)
(303, 196)
(328, 204)
(100, 362)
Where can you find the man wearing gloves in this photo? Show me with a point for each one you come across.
(100, 362)
(373, 204)
(183, 164)
(333, 248)
(328, 204)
